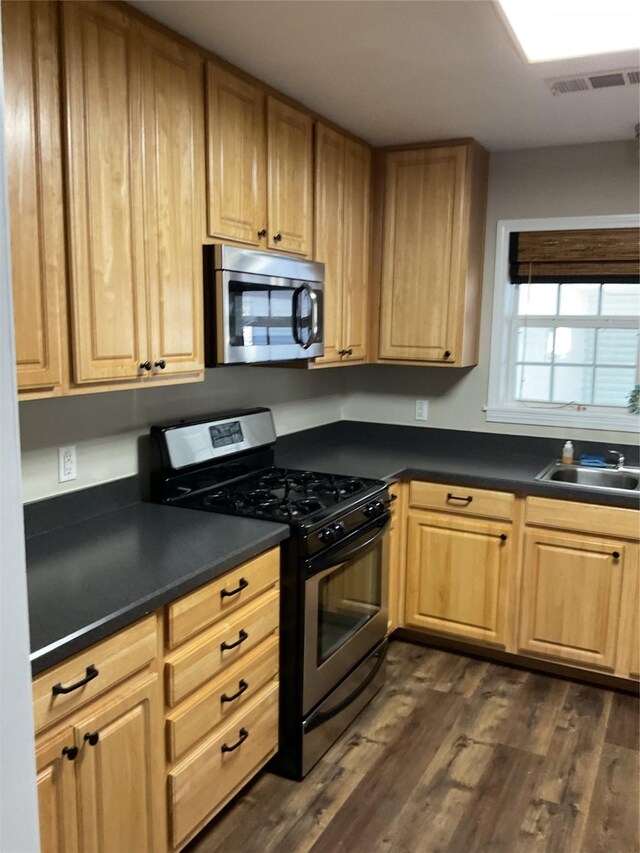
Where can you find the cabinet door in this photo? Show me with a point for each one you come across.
(121, 771)
(173, 109)
(236, 158)
(289, 178)
(34, 169)
(422, 261)
(458, 576)
(106, 263)
(329, 234)
(56, 792)
(355, 286)
(571, 588)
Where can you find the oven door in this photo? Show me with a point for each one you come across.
(266, 318)
(346, 608)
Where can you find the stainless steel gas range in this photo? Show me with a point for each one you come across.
(333, 571)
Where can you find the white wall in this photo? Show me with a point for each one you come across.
(105, 427)
(568, 181)
(576, 180)
(18, 804)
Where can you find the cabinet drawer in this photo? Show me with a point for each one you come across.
(212, 705)
(113, 659)
(191, 667)
(196, 611)
(588, 518)
(461, 499)
(207, 778)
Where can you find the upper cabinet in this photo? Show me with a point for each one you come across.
(34, 167)
(236, 158)
(260, 166)
(432, 245)
(342, 202)
(289, 178)
(134, 107)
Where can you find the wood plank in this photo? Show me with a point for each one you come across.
(532, 723)
(624, 721)
(613, 823)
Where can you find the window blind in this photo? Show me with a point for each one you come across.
(594, 255)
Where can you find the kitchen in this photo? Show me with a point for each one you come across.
(596, 179)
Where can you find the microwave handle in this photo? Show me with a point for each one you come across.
(297, 318)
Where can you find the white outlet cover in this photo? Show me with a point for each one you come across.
(422, 410)
(67, 463)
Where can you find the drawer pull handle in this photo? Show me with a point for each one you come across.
(616, 555)
(92, 738)
(71, 752)
(392, 498)
(466, 499)
(244, 734)
(242, 688)
(242, 636)
(92, 673)
(243, 583)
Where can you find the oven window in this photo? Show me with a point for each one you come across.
(260, 315)
(347, 599)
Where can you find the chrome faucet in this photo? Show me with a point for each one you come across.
(619, 459)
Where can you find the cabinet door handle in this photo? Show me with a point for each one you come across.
(616, 555)
(243, 735)
(503, 537)
(346, 352)
(161, 364)
(242, 636)
(392, 498)
(447, 354)
(92, 673)
(262, 232)
(145, 365)
(466, 499)
(277, 237)
(242, 584)
(92, 738)
(71, 752)
(242, 688)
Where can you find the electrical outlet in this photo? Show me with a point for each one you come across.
(422, 410)
(67, 463)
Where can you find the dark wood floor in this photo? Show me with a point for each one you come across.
(456, 755)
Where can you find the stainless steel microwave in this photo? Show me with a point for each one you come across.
(261, 307)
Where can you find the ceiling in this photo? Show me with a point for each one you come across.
(396, 71)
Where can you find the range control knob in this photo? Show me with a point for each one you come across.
(338, 526)
(328, 535)
(373, 510)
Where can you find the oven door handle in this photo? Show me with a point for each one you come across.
(321, 717)
(336, 557)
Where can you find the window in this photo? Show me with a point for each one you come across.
(564, 352)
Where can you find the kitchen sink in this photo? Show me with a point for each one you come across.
(611, 479)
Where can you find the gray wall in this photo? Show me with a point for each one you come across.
(576, 180)
(18, 805)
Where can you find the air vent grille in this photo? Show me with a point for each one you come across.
(595, 80)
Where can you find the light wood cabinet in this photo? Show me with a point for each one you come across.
(632, 639)
(57, 804)
(342, 200)
(432, 246)
(289, 178)
(458, 576)
(34, 168)
(134, 104)
(571, 596)
(397, 537)
(236, 162)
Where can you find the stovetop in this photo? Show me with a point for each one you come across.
(298, 498)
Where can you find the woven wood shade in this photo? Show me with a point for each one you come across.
(611, 254)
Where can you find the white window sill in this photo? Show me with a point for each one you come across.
(591, 418)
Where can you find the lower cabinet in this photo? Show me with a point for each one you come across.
(100, 776)
(458, 575)
(571, 596)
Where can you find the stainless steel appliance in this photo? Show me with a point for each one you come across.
(261, 307)
(333, 573)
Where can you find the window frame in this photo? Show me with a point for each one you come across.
(499, 408)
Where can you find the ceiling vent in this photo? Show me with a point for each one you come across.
(596, 80)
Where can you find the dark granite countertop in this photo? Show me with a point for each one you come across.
(120, 558)
(92, 577)
(485, 460)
